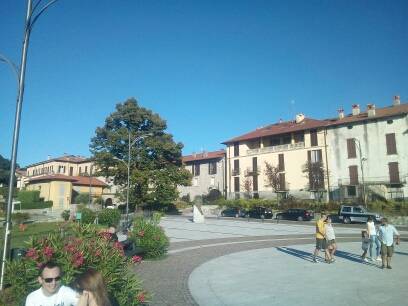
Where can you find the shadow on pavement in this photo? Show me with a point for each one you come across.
(340, 254)
(400, 253)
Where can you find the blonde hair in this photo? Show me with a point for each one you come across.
(91, 280)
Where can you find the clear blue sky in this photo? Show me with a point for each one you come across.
(212, 69)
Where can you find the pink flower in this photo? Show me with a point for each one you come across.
(32, 253)
(78, 259)
(136, 259)
(48, 251)
(106, 235)
(141, 233)
(97, 253)
(39, 265)
(141, 297)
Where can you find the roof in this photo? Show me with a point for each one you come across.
(385, 112)
(280, 128)
(66, 158)
(204, 156)
(308, 123)
(76, 180)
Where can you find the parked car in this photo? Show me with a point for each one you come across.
(260, 212)
(296, 214)
(350, 213)
(233, 212)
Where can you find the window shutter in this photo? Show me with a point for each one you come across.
(394, 173)
(254, 164)
(351, 148)
(236, 184)
(313, 138)
(255, 183)
(353, 172)
(282, 183)
(281, 164)
(391, 144)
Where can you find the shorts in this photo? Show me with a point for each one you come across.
(387, 250)
(320, 243)
(329, 243)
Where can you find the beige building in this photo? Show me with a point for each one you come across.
(61, 179)
(288, 147)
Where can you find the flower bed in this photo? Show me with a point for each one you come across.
(75, 248)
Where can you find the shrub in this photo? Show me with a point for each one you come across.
(65, 215)
(28, 196)
(212, 196)
(82, 198)
(150, 236)
(109, 216)
(20, 217)
(82, 247)
(36, 205)
(87, 215)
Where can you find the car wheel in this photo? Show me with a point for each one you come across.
(347, 220)
(300, 218)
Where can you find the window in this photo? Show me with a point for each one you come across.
(314, 156)
(390, 121)
(391, 144)
(71, 171)
(235, 171)
(255, 183)
(86, 169)
(236, 184)
(282, 182)
(394, 173)
(287, 139)
(351, 192)
(357, 210)
(299, 137)
(196, 169)
(275, 142)
(347, 208)
(212, 167)
(255, 165)
(80, 170)
(313, 138)
(236, 148)
(351, 148)
(281, 162)
(353, 172)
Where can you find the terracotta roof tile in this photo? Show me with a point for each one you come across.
(204, 156)
(76, 180)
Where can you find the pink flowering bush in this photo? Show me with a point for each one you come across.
(76, 248)
(147, 234)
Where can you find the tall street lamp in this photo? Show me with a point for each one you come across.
(362, 159)
(130, 144)
(31, 18)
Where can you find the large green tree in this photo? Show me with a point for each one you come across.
(155, 164)
(5, 166)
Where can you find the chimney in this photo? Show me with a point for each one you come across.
(300, 118)
(396, 101)
(341, 113)
(371, 110)
(355, 109)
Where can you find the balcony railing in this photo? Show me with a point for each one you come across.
(252, 172)
(279, 148)
(236, 171)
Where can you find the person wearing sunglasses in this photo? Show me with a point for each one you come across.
(51, 292)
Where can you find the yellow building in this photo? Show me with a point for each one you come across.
(289, 147)
(61, 179)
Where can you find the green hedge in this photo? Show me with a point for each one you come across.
(109, 216)
(28, 196)
(36, 205)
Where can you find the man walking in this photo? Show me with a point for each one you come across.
(320, 240)
(51, 293)
(386, 236)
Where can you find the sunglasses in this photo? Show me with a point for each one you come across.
(50, 279)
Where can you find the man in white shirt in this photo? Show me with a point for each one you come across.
(386, 236)
(51, 293)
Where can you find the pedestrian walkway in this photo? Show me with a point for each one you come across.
(283, 276)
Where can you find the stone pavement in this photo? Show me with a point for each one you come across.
(258, 264)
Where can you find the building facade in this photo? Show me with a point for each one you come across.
(208, 171)
(289, 149)
(369, 153)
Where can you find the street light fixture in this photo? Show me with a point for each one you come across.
(31, 18)
(362, 159)
(130, 144)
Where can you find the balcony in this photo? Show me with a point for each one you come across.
(252, 172)
(236, 171)
(273, 149)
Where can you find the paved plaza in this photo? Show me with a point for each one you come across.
(235, 262)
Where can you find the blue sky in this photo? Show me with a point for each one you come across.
(212, 69)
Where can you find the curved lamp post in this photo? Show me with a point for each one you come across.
(31, 18)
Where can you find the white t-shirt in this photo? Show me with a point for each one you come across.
(64, 297)
(371, 228)
(329, 232)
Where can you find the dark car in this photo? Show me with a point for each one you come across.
(260, 213)
(296, 214)
(233, 212)
(350, 213)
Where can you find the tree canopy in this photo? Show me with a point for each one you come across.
(5, 165)
(155, 159)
